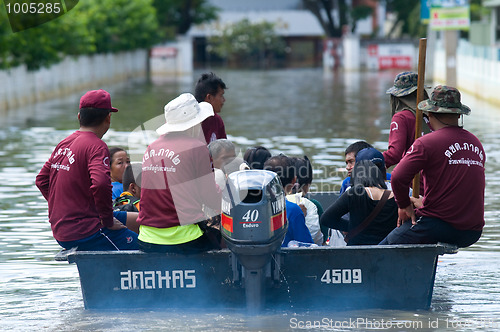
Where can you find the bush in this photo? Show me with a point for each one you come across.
(246, 42)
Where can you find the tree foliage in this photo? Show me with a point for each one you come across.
(404, 11)
(323, 10)
(408, 16)
(45, 44)
(121, 25)
(246, 41)
(93, 26)
(333, 25)
(177, 16)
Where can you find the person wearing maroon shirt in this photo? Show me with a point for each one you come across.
(452, 163)
(404, 105)
(77, 185)
(178, 183)
(210, 88)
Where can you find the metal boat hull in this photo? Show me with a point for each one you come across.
(389, 277)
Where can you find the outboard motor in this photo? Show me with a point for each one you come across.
(253, 225)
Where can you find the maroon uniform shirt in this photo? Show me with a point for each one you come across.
(177, 180)
(213, 128)
(452, 163)
(77, 185)
(401, 137)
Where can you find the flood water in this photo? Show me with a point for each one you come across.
(296, 112)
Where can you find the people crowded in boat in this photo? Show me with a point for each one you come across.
(452, 161)
(182, 179)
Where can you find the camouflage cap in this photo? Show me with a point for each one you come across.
(444, 99)
(404, 84)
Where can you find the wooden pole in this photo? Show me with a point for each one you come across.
(422, 49)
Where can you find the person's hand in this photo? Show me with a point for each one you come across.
(117, 225)
(417, 202)
(405, 214)
(303, 208)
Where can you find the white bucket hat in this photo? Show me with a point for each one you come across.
(183, 113)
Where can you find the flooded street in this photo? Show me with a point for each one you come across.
(296, 112)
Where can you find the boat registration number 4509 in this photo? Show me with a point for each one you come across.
(342, 276)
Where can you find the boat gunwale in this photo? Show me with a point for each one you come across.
(441, 248)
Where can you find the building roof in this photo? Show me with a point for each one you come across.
(491, 3)
(289, 22)
(249, 5)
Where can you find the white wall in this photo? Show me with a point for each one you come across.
(177, 63)
(478, 70)
(19, 87)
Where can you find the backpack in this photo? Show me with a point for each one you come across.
(126, 203)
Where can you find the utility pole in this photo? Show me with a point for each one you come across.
(451, 45)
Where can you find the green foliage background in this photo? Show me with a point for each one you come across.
(177, 16)
(246, 41)
(99, 26)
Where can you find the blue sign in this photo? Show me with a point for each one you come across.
(425, 11)
(449, 3)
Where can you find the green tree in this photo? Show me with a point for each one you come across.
(93, 26)
(248, 42)
(323, 10)
(121, 25)
(359, 13)
(333, 24)
(408, 14)
(45, 44)
(177, 16)
(404, 10)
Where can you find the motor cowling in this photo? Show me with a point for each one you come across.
(253, 216)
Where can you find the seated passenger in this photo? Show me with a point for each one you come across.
(368, 154)
(256, 157)
(119, 161)
(129, 200)
(76, 183)
(376, 157)
(312, 208)
(223, 153)
(350, 159)
(373, 210)
(451, 209)
(177, 182)
(297, 229)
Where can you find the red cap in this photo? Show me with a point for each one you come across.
(97, 99)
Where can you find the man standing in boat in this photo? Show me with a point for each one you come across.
(452, 163)
(177, 181)
(77, 185)
(210, 88)
(403, 109)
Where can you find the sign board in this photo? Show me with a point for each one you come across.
(164, 52)
(450, 15)
(425, 11)
(391, 56)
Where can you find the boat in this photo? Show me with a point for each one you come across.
(254, 273)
